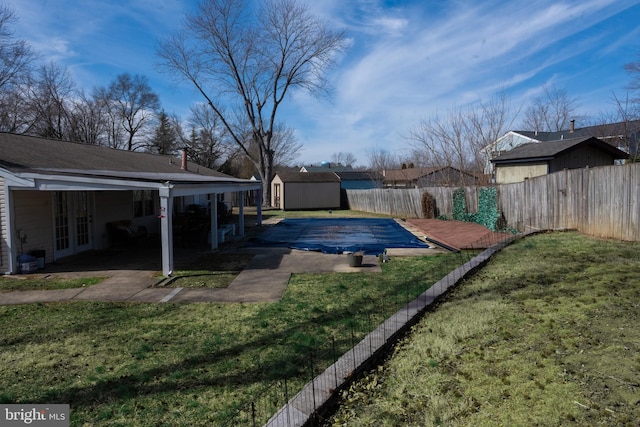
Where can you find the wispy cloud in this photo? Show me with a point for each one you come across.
(439, 58)
(407, 59)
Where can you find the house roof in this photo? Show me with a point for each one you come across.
(360, 176)
(288, 176)
(411, 174)
(602, 131)
(408, 174)
(605, 131)
(39, 158)
(22, 152)
(548, 150)
(330, 167)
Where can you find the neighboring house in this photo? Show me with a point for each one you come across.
(427, 177)
(303, 190)
(541, 158)
(622, 135)
(360, 180)
(59, 197)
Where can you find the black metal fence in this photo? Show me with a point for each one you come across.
(313, 378)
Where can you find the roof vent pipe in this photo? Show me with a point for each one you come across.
(184, 159)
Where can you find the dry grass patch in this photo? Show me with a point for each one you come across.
(545, 334)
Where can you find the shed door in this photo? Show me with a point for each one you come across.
(276, 195)
(73, 212)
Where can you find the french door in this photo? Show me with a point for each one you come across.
(72, 215)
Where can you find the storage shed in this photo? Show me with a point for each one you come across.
(305, 190)
(541, 158)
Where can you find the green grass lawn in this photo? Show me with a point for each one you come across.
(193, 364)
(546, 334)
(215, 270)
(39, 282)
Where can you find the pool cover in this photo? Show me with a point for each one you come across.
(339, 235)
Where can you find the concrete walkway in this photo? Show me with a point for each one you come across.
(263, 280)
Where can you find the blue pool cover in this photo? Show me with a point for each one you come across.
(338, 235)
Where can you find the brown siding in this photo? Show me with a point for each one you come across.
(579, 158)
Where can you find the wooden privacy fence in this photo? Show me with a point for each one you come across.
(602, 202)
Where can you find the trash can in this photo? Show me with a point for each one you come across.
(40, 256)
(27, 264)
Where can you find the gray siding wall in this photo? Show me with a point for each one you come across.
(33, 219)
(316, 195)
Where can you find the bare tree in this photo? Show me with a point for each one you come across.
(343, 158)
(445, 141)
(245, 60)
(632, 106)
(381, 160)
(14, 109)
(456, 139)
(115, 136)
(207, 143)
(551, 112)
(285, 147)
(16, 56)
(50, 98)
(88, 122)
(16, 59)
(131, 105)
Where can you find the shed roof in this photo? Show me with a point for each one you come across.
(550, 149)
(288, 176)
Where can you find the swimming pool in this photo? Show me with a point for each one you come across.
(339, 235)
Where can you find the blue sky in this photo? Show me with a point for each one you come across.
(408, 59)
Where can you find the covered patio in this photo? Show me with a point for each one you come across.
(59, 198)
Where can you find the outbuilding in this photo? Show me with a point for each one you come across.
(305, 190)
(542, 158)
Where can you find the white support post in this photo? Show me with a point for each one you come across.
(241, 214)
(166, 230)
(12, 246)
(213, 198)
(259, 207)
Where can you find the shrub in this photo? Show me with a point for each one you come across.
(428, 205)
(488, 214)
